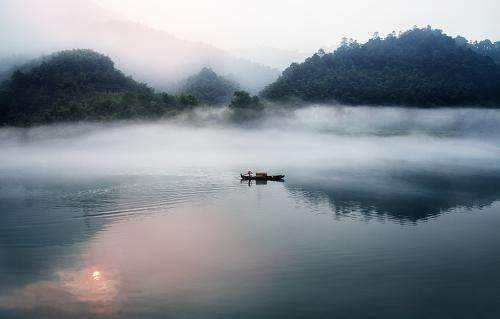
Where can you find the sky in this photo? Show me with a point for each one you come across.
(307, 25)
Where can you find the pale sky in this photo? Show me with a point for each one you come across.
(307, 25)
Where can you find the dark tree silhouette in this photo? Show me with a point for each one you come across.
(420, 67)
(242, 100)
(80, 85)
(209, 88)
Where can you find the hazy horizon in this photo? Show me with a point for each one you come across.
(296, 27)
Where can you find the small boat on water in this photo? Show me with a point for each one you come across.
(262, 177)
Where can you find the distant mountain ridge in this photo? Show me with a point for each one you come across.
(420, 67)
(160, 59)
(274, 57)
(152, 56)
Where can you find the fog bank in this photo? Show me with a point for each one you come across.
(308, 138)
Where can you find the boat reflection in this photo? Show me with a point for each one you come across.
(259, 182)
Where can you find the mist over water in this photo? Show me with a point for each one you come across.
(385, 207)
(312, 137)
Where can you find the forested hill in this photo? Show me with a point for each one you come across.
(420, 67)
(76, 85)
(209, 87)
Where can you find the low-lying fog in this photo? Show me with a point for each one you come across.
(307, 138)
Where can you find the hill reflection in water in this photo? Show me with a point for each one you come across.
(400, 195)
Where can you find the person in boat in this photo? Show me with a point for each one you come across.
(249, 173)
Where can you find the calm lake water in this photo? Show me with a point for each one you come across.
(384, 213)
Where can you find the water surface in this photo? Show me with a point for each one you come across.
(385, 213)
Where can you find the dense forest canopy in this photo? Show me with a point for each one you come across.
(209, 88)
(11, 63)
(485, 47)
(79, 85)
(243, 100)
(420, 67)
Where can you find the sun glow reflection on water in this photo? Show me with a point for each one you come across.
(96, 275)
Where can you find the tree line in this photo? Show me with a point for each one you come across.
(420, 67)
(78, 85)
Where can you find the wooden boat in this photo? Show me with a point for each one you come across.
(265, 177)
